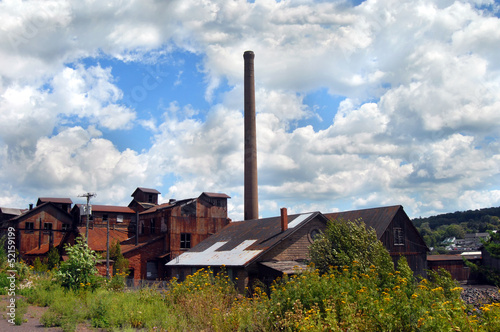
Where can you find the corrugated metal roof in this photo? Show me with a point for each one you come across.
(377, 218)
(239, 243)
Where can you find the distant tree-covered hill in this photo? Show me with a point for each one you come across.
(435, 229)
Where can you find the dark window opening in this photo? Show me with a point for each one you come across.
(185, 240)
(150, 198)
(399, 239)
(47, 226)
(29, 227)
(105, 217)
(153, 226)
(151, 270)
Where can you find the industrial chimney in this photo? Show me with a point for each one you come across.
(251, 194)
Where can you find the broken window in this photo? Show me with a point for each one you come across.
(185, 240)
(399, 238)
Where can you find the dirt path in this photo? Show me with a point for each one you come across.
(31, 320)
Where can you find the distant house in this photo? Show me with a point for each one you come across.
(395, 230)
(253, 249)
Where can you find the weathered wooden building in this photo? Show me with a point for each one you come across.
(163, 230)
(119, 217)
(144, 199)
(40, 228)
(395, 230)
(456, 266)
(253, 249)
(182, 224)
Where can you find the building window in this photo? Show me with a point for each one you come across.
(29, 227)
(153, 226)
(399, 238)
(151, 270)
(185, 240)
(47, 226)
(119, 218)
(104, 217)
(141, 230)
(150, 198)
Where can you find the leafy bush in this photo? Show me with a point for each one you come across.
(79, 270)
(347, 242)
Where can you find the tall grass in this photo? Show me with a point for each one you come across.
(346, 298)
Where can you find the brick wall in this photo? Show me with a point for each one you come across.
(295, 247)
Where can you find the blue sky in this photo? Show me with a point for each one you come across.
(359, 104)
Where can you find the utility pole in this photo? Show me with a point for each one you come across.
(107, 250)
(87, 210)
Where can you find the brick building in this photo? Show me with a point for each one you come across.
(254, 249)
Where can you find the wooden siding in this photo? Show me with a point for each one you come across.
(412, 247)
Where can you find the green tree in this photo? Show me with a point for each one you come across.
(344, 242)
(79, 270)
(53, 258)
(121, 263)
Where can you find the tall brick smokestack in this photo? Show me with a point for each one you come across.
(251, 189)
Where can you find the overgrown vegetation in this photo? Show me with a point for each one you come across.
(79, 270)
(345, 298)
(345, 242)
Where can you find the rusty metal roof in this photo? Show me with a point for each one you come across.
(129, 244)
(240, 243)
(216, 195)
(377, 218)
(98, 237)
(54, 200)
(145, 190)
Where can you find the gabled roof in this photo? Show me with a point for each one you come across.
(240, 243)
(145, 190)
(109, 208)
(54, 200)
(377, 218)
(39, 208)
